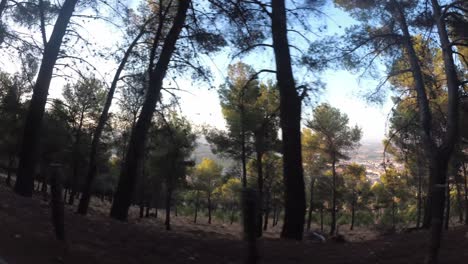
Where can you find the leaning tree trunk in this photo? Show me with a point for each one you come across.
(311, 203)
(32, 129)
(290, 121)
(92, 166)
(135, 152)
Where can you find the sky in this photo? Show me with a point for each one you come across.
(200, 104)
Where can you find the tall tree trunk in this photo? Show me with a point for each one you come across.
(197, 205)
(76, 146)
(243, 149)
(451, 136)
(321, 219)
(11, 163)
(353, 211)
(135, 152)
(465, 177)
(419, 195)
(57, 207)
(92, 166)
(209, 208)
(311, 203)
(30, 143)
(233, 211)
(142, 209)
(290, 121)
(447, 206)
(2, 8)
(458, 181)
(333, 209)
(275, 213)
(260, 209)
(167, 222)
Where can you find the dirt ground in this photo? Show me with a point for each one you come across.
(26, 236)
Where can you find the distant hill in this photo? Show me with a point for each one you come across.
(203, 150)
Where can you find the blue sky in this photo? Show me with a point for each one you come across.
(201, 105)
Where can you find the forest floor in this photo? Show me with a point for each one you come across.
(27, 236)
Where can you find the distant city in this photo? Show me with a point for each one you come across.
(369, 154)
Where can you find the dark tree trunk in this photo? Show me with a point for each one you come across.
(465, 176)
(419, 196)
(148, 208)
(2, 8)
(57, 205)
(209, 208)
(333, 209)
(260, 209)
(321, 219)
(167, 222)
(290, 121)
(76, 146)
(393, 215)
(233, 211)
(447, 206)
(267, 210)
(142, 210)
(135, 152)
(243, 150)
(30, 143)
(353, 211)
(458, 182)
(311, 203)
(197, 205)
(92, 166)
(11, 163)
(451, 136)
(275, 215)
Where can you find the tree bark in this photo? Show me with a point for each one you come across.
(31, 137)
(290, 122)
(92, 166)
(135, 152)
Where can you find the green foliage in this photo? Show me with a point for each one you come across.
(334, 134)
